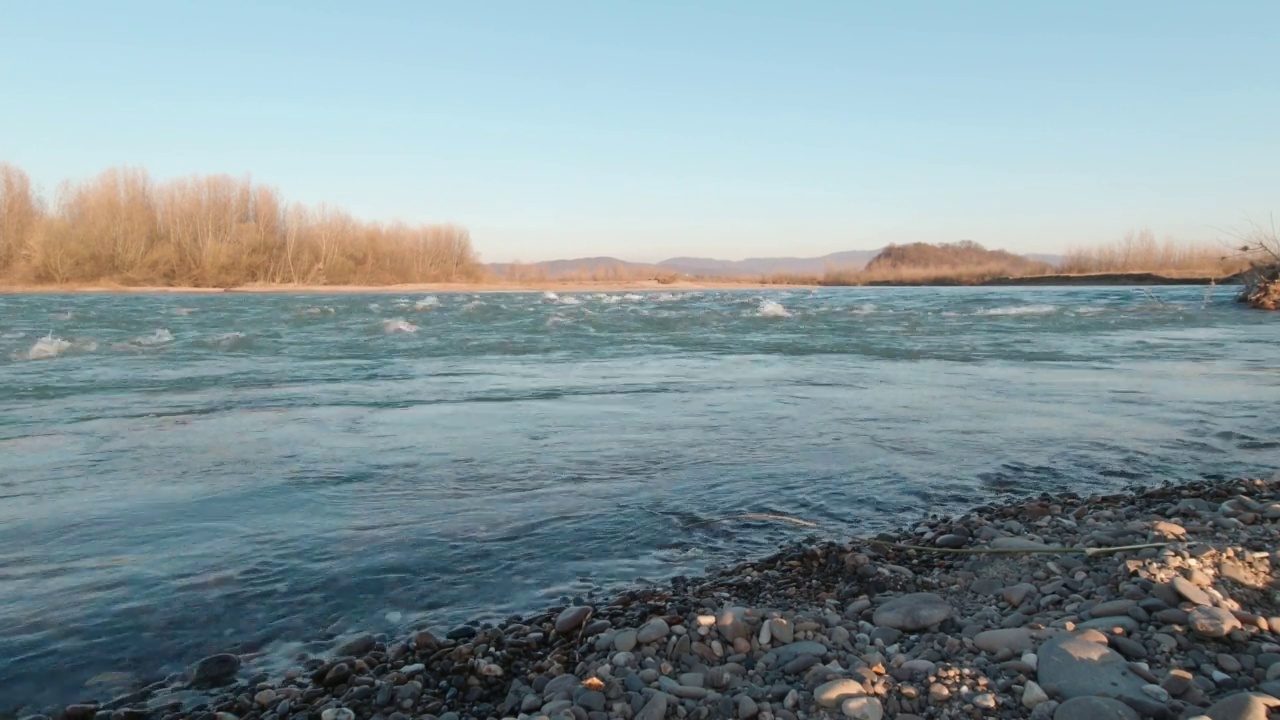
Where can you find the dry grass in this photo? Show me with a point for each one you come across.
(213, 231)
(1141, 252)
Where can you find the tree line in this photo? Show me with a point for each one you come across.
(126, 227)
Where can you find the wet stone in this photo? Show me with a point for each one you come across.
(572, 618)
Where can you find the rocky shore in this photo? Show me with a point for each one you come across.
(1014, 611)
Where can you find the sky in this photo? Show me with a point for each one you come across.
(655, 128)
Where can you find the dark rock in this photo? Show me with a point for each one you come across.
(571, 618)
(356, 646)
(465, 632)
(215, 670)
(1131, 649)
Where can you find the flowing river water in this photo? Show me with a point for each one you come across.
(189, 474)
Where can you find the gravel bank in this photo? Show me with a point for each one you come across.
(858, 630)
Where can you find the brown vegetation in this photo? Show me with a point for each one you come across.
(1141, 252)
(1262, 280)
(962, 263)
(215, 231)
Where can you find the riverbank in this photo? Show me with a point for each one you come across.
(611, 286)
(1018, 610)
(584, 286)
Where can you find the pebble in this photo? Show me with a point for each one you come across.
(1016, 640)
(1080, 667)
(830, 694)
(1212, 622)
(1033, 695)
(652, 631)
(572, 618)
(215, 670)
(862, 708)
(1242, 706)
(915, 611)
(1188, 590)
(854, 630)
(359, 645)
(1094, 708)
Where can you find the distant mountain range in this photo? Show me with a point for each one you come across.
(606, 268)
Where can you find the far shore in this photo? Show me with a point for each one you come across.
(456, 287)
(1136, 279)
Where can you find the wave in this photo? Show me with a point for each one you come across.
(183, 311)
(429, 302)
(231, 341)
(549, 296)
(375, 307)
(14, 335)
(772, 309)
(64, 316)
(864, 309)
(159, 337)
(398, 325)
(633, 297)
(326, 310)
(474, 305)
(1018, 310)
(48, 347)
(569, 300)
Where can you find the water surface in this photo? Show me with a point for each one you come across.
(182, 475)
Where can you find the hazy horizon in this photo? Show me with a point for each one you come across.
(648, 131)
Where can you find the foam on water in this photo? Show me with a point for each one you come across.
(772, 309)
(549, 296)
(633, 297)
(864, 309)
(13, 335)
(183, 311)
(1018, 310)
(569, 300)
(398, 325)
(159, 337)
(375, 307)
(429, 302)
(47, 347)
(231, 341)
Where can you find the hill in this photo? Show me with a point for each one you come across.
(610, 268)
(849, 259)
(951, 256)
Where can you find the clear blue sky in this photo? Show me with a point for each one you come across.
(652, 128)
